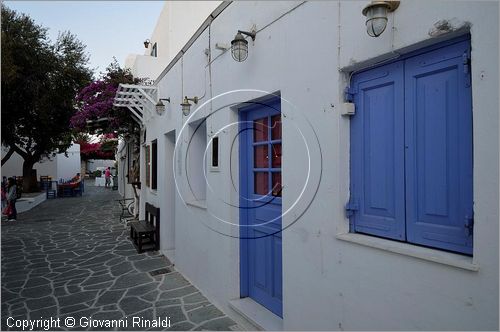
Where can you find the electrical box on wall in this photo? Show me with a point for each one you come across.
(347, 109)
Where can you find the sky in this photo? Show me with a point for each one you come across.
(108, 28)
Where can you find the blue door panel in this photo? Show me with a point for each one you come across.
(278, 268)
(377, 152)
(261, 247)
(260, 216)
(439, 155)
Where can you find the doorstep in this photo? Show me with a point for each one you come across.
(256, 314)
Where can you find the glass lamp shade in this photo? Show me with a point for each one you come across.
(376, 20)
(186, 108)
(239, 48)
(160, 108)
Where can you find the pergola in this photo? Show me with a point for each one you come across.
(139, 99)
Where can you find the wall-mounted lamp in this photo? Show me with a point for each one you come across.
(239, 45)
(186, 105)
(160, 107)
(146, 43)
(376, 16)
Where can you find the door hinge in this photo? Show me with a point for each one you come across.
(351, 207)
(466, 66)
(349, 94)
(469, 225)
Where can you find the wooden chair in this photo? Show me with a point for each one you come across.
(148, 230)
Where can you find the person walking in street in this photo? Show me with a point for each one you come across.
(11, 199)
(107, 176)
(4, 192)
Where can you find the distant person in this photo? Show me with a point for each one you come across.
(11, 199)
(107, 176)
(4, 192)
(76, 178)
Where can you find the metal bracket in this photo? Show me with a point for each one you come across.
(349, 94)
(351, 207)
(469, 225)
(466, 63)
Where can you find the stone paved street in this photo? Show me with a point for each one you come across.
(70, 257)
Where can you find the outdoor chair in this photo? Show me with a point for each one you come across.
(44, 182)
(126, 206)
(51, 189)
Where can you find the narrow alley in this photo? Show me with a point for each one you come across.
(71, 257)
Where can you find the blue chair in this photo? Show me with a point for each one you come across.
(44, 182)
(50, 191)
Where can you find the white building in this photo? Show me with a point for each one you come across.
(416, 165)
(177, 23)
(61, 166)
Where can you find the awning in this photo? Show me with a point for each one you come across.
(139, 99)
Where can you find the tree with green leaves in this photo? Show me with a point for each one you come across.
(40, 80)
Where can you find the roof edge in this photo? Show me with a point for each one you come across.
(220, 8)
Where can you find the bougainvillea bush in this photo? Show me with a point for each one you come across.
(95, 103)
(104, 149)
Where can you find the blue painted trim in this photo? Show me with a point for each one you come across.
(414, 53)
(246, 173)
(243, 164)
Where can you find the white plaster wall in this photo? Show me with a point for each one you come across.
(58, 167)
(328, 283)
(14, 165)
(177, 22)
(45, 167)
(68, 166)
(92, 164)
(147, 67)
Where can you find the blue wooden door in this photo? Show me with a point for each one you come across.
(411, 149)
(377, 152)
(438, 112)
(260, 201)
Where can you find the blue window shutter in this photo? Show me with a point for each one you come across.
(438, 135)
(377, 153)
